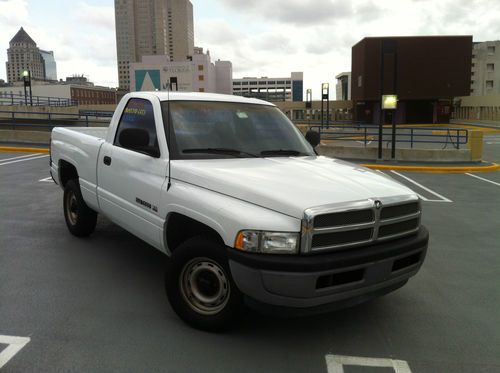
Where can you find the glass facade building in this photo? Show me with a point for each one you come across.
(50, 66)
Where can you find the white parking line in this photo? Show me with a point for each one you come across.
(22, 156)
(336, 363)
(23, 160)
(46, 180)
(482, 178)
(441, 198)
(492, 143)
(15, 344)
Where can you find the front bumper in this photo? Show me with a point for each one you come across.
(322, 280)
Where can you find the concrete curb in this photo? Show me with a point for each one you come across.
(436, 169)
(24, 150)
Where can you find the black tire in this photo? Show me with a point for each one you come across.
(199, 269)
(80, 219)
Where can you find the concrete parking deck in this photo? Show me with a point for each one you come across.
(98, 304)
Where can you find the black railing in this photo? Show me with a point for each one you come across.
(10, 99)
(19, 120)
(368, 134)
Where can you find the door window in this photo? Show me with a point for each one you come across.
(138, 116)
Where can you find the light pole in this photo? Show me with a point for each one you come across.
(325, 96)
(27, 83)
(309, 103)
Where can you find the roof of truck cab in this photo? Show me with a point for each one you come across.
(199, 96)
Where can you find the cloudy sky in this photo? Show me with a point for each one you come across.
(260, 37)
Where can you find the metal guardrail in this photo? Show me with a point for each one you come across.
(15, 119)
(11, 99)
(367, 134)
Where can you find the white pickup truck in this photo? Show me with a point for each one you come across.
(242, 206)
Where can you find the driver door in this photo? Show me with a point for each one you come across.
(130, 176)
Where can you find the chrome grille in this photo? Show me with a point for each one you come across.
(339, 238)
(343, 218)
(338, 226)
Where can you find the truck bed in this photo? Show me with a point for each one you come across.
(80, 147)
(99, 132)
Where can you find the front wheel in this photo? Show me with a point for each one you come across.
(200, 287)
(80, 219)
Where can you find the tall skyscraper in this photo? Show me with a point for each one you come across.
(23, 54)
(152, 27)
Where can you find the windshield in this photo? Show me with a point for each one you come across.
(228, 130)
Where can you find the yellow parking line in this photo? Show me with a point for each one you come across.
(435, 169)
(23, 150)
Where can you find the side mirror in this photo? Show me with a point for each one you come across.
(137, 139)
(313, 137)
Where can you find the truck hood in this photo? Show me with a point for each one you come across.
(288, 185)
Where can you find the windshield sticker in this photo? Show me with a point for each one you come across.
(242, 115)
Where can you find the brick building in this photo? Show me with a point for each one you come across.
(426, 72)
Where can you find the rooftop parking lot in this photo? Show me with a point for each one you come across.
(98, 304)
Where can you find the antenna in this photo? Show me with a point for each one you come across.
(169, 135)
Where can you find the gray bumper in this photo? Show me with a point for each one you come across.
(339, 278)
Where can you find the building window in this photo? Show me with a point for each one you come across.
(490, 67)
(236, 83)
(253, 83)
(491, 50)
(473, 65)
(472, 73)
(489, 84)
(360, 80)
(202, 89)
(201, 78)
(200, 67)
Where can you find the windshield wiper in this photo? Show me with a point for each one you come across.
(226, 151)
(283, 152)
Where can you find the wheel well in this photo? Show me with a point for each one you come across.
(180, 228)
(67, 172)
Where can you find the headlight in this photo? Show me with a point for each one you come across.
(267, 242)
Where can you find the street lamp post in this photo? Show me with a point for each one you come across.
(27, 83)
(309, 103)
(325, 96)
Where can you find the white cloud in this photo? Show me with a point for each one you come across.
(298, 12)
(13, 13)
(99, 16)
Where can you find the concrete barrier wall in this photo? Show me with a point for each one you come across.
(25, 137)
(404, 155)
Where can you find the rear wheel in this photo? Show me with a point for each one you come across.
(200, 287)
(80, 219)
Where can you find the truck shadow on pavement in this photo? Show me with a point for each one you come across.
(141, 268)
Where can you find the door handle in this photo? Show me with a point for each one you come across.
(107, 160)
